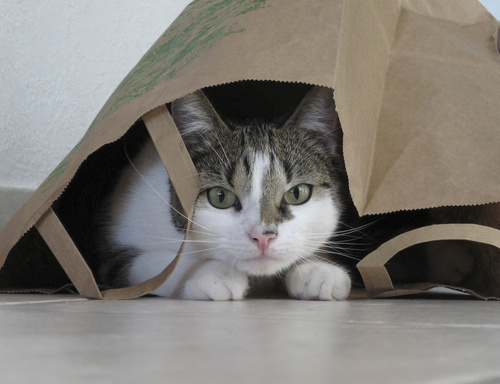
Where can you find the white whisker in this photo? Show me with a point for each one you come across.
(212, 147)
(158, 194)
(180, 242)
(181, 230)
(328, 253)
(201, 250)
(222, 147)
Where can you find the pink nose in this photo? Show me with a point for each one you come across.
(262, 239)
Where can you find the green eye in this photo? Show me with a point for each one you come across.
(297, 195)
(222, 198)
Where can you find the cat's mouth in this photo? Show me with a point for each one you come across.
(262, 264)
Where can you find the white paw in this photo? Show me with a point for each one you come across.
(318, 281)
(215, 281)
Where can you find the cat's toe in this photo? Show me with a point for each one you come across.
(216, 282)
(318, 281)
(335, 287)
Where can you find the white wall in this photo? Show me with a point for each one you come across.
(59, 62)
(493, 6)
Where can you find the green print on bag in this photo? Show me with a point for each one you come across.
(201, 26)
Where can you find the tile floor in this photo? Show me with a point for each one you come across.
(429, 339)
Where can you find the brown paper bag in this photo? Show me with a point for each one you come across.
(416, 85)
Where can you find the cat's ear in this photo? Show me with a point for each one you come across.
(195, 118)
(316, 112)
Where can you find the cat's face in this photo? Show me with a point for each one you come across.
(270, 195)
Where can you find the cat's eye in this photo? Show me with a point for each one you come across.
(297, 195)
(222, 198)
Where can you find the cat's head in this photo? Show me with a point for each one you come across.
(270, 194)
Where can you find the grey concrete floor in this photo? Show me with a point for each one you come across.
(68, 339)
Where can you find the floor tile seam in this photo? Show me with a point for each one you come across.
(32, 302)
(396, 324)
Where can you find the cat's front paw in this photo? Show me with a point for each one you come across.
(318, 281)
(216, 281)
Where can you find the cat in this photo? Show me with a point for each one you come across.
(271, 199)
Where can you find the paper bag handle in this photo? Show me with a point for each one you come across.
(183, 176)
(375, 275)
(150, 285)
(185, 180)
(67, 254)
(69, 257)
(173, 152)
